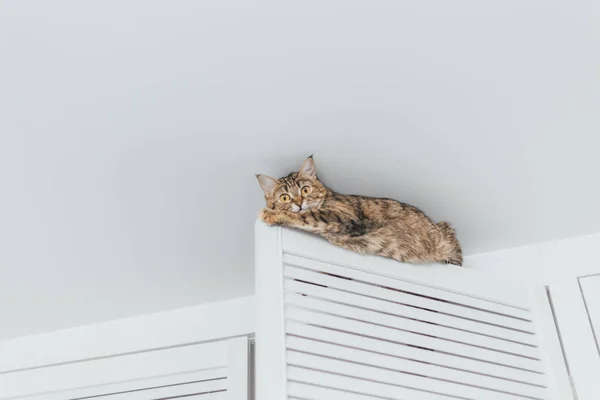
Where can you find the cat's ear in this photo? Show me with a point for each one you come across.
(266, 183)
(308, 169)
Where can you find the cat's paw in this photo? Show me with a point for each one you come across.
(268, 216)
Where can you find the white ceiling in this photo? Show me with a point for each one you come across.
(130, 133)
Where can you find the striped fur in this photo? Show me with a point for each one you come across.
(366, 225)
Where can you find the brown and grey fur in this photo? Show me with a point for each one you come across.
(366, 225)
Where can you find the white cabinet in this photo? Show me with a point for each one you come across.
(198, 353)
(576, 303)
(336, 325)
(590, 289)
(209, 371)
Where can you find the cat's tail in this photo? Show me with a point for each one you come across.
(450, 247)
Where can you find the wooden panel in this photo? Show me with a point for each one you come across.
(461, 280)
(590, 287)
(433, 358)
(414, 326)
(577, 338)
(515, 318)
(114, 369)
(139, 384)
(320, 393)
(360, 328)
(362, 325)
(353, 385)
(206, 396)
(392, 290)
(360, 371)
(172, 391)
(554, 358)
(271, 379)
(413, 339)
(454, 380)
(379, 299)
(162, 374)
(237, 368)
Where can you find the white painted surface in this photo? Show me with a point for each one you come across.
(162, 330)
(551, 346)
(105, 371)
(493, 313)
(205, 375)
(238, 373)
(130, 133)
(209, 379)
(559, 264)
(328, 327)
(590, 288)
(444, 314)
(577, 338)
(546, 263)
(298, 243)
(270, 324)
(208, 370)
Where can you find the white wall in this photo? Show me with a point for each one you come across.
(131, 130)
(545, 263)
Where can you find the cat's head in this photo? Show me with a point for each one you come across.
(298, 192)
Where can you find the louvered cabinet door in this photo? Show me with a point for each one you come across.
(208, 371)
(337, 325)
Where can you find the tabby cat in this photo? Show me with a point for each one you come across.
(366, 225)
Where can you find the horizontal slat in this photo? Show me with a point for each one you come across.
(410, 325)
(172, 391)
(462, 280)
(378, 289)
(370, 330)
(391, 377)
(443, 293)
(402, 310)
(196, 376)
(206, 396)
(411, 353)
(115, 369)
(401, 365)
(353, 385)
(167, 392)
(319, 393)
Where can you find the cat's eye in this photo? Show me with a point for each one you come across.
(306, 190)
(285, 198)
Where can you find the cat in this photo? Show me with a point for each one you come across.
(366, 225)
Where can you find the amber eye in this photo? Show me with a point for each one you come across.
(306, 190)
(284, 198)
